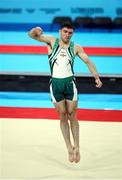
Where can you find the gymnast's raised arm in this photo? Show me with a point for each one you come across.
(37, 34)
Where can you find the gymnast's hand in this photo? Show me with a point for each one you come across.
(35, 32)
(98, 83)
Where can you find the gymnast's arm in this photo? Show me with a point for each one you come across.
(83, 56)
(37, 34)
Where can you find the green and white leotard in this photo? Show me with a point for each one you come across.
(61, 61)
(62, 83)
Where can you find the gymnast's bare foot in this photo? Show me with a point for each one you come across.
(76, 155)
(71, 155)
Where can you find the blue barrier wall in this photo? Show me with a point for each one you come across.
(43, 11)
(84, 39)
(39, 64)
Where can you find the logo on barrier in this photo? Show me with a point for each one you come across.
(87, 11)
(10, 10)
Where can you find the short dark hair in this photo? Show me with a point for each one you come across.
(68, 25)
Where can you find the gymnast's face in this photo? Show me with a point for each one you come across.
(66, 34)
